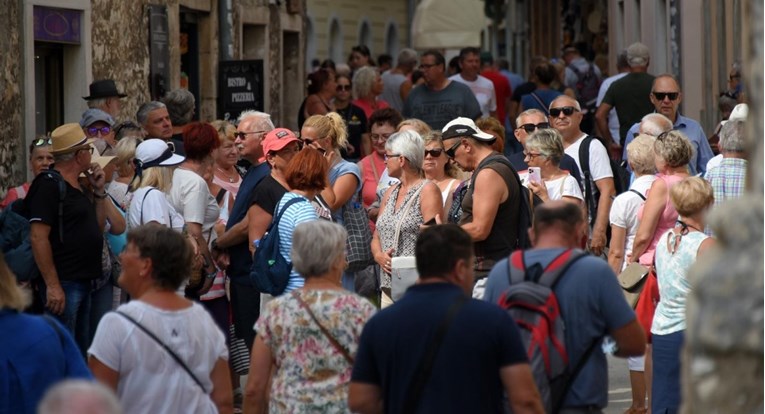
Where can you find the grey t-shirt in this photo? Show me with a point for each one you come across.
(437, 108)
(392, 89)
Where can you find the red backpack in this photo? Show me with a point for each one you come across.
(531, 302)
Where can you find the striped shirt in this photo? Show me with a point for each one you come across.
(295, 214)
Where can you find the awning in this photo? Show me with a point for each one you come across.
(448, 24)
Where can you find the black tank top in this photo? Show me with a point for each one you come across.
(503, 236)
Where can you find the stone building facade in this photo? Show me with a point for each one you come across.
(56, 48)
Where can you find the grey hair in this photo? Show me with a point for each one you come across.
(142, 116)
(75, 396)
(97, 103)
(733, 136)
(407, 57)
(180, 106)
(363, 80)
(67, 156)
(263, 117)
(528, 112)
(548, 142)
(408, 144)
(574, 102)
(316, 246)
(655, 124)
(640, 154)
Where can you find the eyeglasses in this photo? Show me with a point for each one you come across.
(341, 88)
(529, 128)
(93, 131)
(243, 135)
(89, 149)
(531, 154)
(567, 110)
(435, 153)
(389, 156)
(451, 151)
(380, 137)
(661, 95)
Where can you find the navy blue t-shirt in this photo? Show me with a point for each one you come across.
(240, 256)
(465, 377)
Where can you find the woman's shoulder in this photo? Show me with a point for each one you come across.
(346, 167)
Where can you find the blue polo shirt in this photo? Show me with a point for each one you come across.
(694, 132)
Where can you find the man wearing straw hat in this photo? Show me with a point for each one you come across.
(66, 228)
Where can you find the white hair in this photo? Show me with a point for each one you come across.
(75, 396)
(408, 144)
(316, 246)
(655, 124)
(262, 116)
(733, 136)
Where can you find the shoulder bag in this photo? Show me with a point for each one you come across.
(335, 343)
(403, 269)
(359, 244)
(632, 279)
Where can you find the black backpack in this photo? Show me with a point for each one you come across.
(14, 230)
(270, 270)
(591, 193)
(587, 87)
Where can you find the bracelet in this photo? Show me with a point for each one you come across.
(213, 274)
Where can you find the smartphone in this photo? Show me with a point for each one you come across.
(535, 175)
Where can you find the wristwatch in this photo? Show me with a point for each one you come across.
(213, 274)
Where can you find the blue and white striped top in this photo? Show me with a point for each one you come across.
(295, 214)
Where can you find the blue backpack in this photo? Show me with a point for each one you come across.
(270, 271)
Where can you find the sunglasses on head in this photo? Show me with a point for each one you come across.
(529, 128)
(567, 110)
(343, 88)
(39, 142)
(435, 153)
(451, 151)
(92, 131)
(661, 95)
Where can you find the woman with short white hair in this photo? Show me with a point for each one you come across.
(367, 87)
(307, 340)
(404, 207)
(544, 150)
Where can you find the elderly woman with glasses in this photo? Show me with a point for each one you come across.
(405, 206)
(306, 341)
(544, 150)
(40, 159)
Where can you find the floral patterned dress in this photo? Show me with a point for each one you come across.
(311, 376)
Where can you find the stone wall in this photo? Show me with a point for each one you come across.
(723, 358)
(120, 38)
(12, 151)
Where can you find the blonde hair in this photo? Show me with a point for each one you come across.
(11, 295)
(548, 142)
(417, 124)
(674, 148)
(125, 152)
(158, 177)
(225, 130)
(640, 154)
(330, 125)
(435, 136)
(691, 196)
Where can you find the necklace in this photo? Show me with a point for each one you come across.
(226, 174)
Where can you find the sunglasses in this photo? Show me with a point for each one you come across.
(39, 142)
(661, 95)
(529, 128)
(567, 110)
(92, 131)
(451, 151)
(341, 88)
(243, 135)
(435, 153)
(306, 142)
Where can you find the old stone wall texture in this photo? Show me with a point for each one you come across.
(120, 39)
(723, 358)
(12, 151)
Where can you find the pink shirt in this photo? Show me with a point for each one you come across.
(666, 220)
(367, 108)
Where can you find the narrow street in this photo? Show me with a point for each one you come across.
(619, 393)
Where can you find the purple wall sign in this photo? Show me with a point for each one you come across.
(57, 25)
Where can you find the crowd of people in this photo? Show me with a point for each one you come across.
(405, 203)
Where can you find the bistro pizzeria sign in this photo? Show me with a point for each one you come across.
(241, 87)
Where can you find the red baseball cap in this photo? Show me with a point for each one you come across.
(276, 140)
